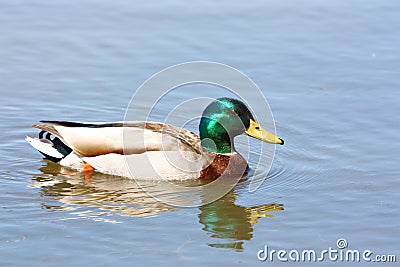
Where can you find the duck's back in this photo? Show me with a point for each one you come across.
(94, 139)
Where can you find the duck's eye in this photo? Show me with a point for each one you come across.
(257, 128)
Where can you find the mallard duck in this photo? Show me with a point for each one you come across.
(153, 149)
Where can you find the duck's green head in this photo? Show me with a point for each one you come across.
(226, 118)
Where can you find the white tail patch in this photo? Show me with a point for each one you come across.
(45, 146)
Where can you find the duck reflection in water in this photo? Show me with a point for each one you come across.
(231, 224)
(103, 197)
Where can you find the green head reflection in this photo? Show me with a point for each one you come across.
(231, 224)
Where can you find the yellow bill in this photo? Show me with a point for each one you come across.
(256, 131)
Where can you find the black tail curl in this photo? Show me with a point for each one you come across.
(57, 144)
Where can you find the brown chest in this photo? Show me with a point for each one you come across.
(231, 166)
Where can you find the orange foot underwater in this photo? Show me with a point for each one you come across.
(87, 170)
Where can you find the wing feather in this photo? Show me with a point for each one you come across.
(93, 139)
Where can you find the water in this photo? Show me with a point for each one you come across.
(328, 69)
